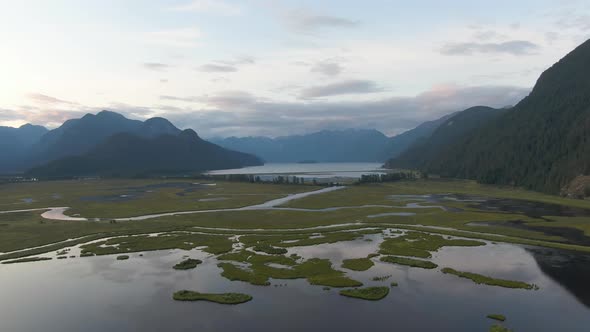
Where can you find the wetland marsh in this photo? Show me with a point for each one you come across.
(272, 250)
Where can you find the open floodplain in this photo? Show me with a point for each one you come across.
(425, 255)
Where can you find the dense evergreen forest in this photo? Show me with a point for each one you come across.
(540, 144)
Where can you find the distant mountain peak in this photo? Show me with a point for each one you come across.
(106, 113)
(158, 126)
(189, 133)
(29, 126)
(158, 121)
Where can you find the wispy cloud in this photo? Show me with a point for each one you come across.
(210, 6)
(573, 20)
(183, 37)
(240, 60)
(229, 100)
(227, 66)
(217, 68)
(184, 99)
(155, 66)
(341, 88)
(42, 99)
(327, 68)
(306, 21)
(233, 99)
(513, 47)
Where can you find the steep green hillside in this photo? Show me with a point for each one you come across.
(128, 155)
(423, 152)
(542, 144)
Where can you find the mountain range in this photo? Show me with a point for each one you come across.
(78, 136)
(107, 143)
(14, 144)
(347, 145)
(128, 154)
(542, 143)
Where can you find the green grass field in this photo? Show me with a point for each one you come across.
(103, 198)
(19, 231)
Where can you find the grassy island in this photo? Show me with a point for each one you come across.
(266, 248)
(357, 264)
(497, 317)
(224, 298)
(316, 271)
(481, 279)
(499, 328)
(417, 244)
(188, 264)
(409, 262)
(122, 257)
(369, 293)
(27, 260)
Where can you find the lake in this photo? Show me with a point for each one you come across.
(308, 171)
(103, 294)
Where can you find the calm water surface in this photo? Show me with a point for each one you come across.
(103, 294)
(317, 170)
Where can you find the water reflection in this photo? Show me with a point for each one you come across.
(101, 293)
(569, 269)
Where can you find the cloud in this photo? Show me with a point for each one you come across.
(230, 100)
(327, 68)
(233, 100)
(239, 113)
(210, 6)
(515, 26)
(182, 37)
(155, 66)
(341, 88)
(240, 60)
(175, 98)
(227, 66)
(47, 115)
(486, 35)
(574, 21)
(220, 80)
(217, 68)
(513, 47)
(304, 20)
(132, 111)
(52, 112)
(42, 99)
(7, 115)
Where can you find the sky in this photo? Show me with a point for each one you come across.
(274, 68)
